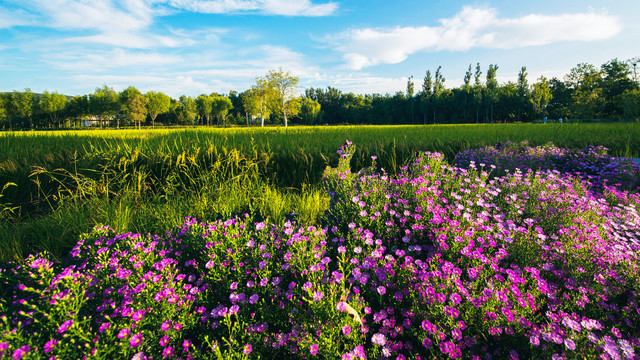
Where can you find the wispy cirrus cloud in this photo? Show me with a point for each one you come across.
(472, 27)
(266, 7)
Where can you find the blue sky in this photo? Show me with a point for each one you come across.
(202, 46)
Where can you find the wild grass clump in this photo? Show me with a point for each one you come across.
(435, 262)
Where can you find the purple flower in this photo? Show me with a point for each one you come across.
(381, 290)
(21, 352)
(234, 309)
(50, 345)
(124, 333)
(346, 330)
(138, 315)
(186, 345)
(616, 332)
(254, 298)
(247, 349)
(139, 356)
(65, 326)
(534, 340)
(569, 344)
(136, 340)
(166, 326)
(104, 327)
(164, 341)
(379, 339)
(313, 349)
(168, 352)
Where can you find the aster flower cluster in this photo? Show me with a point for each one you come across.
(436, 262)
(591, 164)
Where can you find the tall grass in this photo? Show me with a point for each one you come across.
(149, 180)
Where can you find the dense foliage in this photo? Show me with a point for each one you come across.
(610, 92)
(509, 260)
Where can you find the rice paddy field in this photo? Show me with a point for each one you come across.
(511, 241)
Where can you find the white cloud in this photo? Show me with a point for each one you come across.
(267, 7)
(358, 83)
(100, 61)
(10, 18)
(471, 28)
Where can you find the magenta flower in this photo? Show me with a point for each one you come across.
(124, 333)
(168, 352)
(186, 345)
(381, 290)
(313, 349)
(247, 349)
(50, 345)
(21, 352)
(253, 298)
(138, 315)
(65, 326)
(136, 340)
(346, 330)
(164, 341)
(166, 326)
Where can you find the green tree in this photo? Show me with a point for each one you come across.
(220, 107)
(8, 111)
(466, 91)
(257, 101)
(22, 104)
(78, 108)
(426, 95)
(204, 106)
(541, 95)
(52, 104)
(157, 103)
(438, 89)
(523, 91)
(134, 106)
(104, 103)
(491, 93)
(587, 99)
(310, 111)
(561, 101)
(284, 87)
(186, 110)
(616, 79)
(477, 91)
(631, 104)
(410, 97)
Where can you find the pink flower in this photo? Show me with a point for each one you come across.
(313, 349)
(136, 340)
(346, 330)
(65, 326)
(124, 333)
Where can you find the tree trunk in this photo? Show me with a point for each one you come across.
(261, 121)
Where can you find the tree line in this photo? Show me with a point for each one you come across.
(610, 92)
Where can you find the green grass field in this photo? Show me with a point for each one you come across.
(60, 184)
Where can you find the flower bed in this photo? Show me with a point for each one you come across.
(437, 262)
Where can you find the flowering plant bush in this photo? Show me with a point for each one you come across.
(436, 262)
